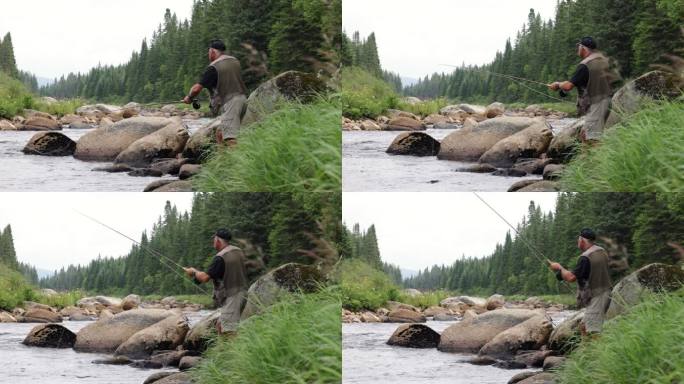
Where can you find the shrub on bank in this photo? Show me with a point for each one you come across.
(644, 153)
(425, 107)
(364, 95)
(295, 148)
(364, 287)
(14, 97)
(298, 340)
(13, 289)
(645, 345)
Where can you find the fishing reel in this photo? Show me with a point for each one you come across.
(196, 104)
(562, 93)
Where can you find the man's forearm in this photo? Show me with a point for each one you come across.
(566, 275)
(195, 90)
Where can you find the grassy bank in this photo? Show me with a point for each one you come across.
(14, 98)
(644, 153)
(364, 287)
(297, 340)
(296, 148)
(364, 95)
(14, 290)
(643, 346)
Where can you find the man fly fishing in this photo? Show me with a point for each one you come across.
(228, 92)
(593, 80)
(593, 281)
(228, 273)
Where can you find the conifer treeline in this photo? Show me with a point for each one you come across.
(363, 53)
(634, 33)
(268, 36)
(281, 225)
(643, 223)
(364, 245)
(8, 62)
(8, 256)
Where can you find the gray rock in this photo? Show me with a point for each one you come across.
(145, 172)
(168, 166)
(40, 124)
(521, 376)
(553, 171)
(482, 360)
(189, 170)
(540, 378)
(155, 377)
(404, 124)
(201, 333)
(522, 184)
(175, 186)
(552, 362)
(39, 315)
(115, 360)
(188, 362)
(478, 168)
(176, 378)
(50, 144)
(50, 336)
(509, 172)
(166, 334)
(114, 168)
(530, 142)
(531, 166)
(564, 144)
(151, 187)
(530, 334)
(414, 144)
(541, 186)
(201, 143)
(166, 142)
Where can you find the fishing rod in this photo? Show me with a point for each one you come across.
(520, 81)
(520, 236)
(195, 104)
(149, 250)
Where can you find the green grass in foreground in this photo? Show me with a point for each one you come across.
(644, 346)
(297, 148)
(645, 153)
(298, 340)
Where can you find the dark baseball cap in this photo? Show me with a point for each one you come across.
(223, 234)
(588, 234)
(217, 44)
(588, 42)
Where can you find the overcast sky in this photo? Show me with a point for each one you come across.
(49, 232)
(414, 37)
(55, 37)
(417, 230)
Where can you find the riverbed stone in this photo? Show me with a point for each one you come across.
(478, 168)
(540, 378)
(473, 140)
(50, 336)
(531, 166)
(564, 144)
(201, 143)
(170, 166)
(553, 171)
(494, 110)
(200, 333)
(404, 124)
(414, 336)
(435, 310)
(131, 301)
(145, 172)
(495, 301)
(521, 376)
(473, 301)
(114, 360)
(530, 334)
(50, 144)
(541, 186)
(414, 144)
(6, 125)
(166, 334)
(533, 358)
(405, 316)
(472, 334)
(6, 317)
(40, 124)
(189, 170)
(552, 362)
(107, 334)
(566, 335)
(165, 142)
(38, 315)
(522, 184)
(169, 358)
(106, 143)
(473, 109)
(175, 186)
(509, 172)
(290, 85)
(291, 277)
(113, 168)
(176, 378)
(155, 377)
(631, 290)
(188, 362)
(531, 142)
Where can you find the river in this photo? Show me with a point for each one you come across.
(32, 365)
(367, 359)
(367, 168)
(29, 173)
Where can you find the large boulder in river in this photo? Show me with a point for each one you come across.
(404, 124)
(414, 144)
(40, 124)
(647, 88)
(530, 334)
(164, 143)
(473, 140)
(405, 316)
(200, 334)
(164, 335)
(106, 143)
(566, 335)
(268, 288)
(97, 109)
(473, 109)
(39, 315)
(290, 85)
(564, 143)
(651, 278)
(495, 301)
(6, 125)
(199, 145)
(130, 302)
(106, 335)
(50, 144)
(471, 335)
(529, 143)
(414, 336)
(50, 336)
(495, 110)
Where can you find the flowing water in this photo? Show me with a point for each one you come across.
(29, 173)
(366, 167)
(32, 365)
(366, 358)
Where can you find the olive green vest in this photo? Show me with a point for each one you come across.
(600, 80)
(234, 275)
(599, 277)
(229, 82)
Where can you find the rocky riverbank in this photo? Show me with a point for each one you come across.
(507, 142)
(147, 142)
(512, 334)
(151, 334)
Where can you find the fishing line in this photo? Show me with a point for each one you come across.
(520, 236)
(147, 249)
